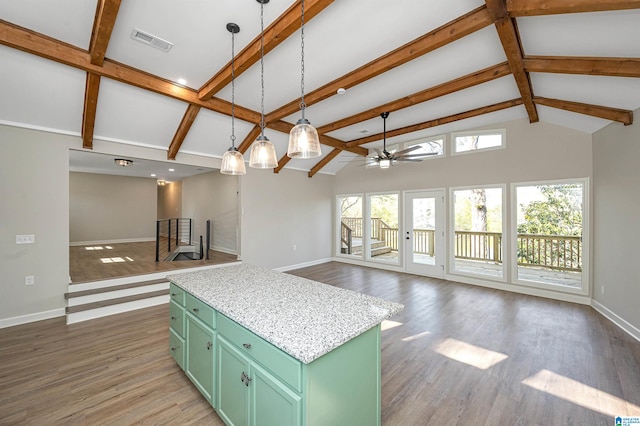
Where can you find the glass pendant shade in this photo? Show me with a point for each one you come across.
(233, 163)
(304, 141)
(384, 163)
(263, 154)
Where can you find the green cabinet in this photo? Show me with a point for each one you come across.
(251, 382)
(249, 395)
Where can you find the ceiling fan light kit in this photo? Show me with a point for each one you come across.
(232, 160)
(304, 141)
(263, 153)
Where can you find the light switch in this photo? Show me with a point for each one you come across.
(25, 239)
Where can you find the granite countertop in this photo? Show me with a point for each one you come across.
(304, 318)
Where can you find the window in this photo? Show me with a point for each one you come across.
(350, 225)
(550, 226)
(476, 141)
(477, 231)
(383, 233)
(433, 145)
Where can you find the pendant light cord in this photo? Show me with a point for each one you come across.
(302, 104)
(233, 91)
(262, 68)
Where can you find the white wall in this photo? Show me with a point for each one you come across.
(213, 196)
(282, 210)
(107, 208)
(616, 193)
(170, 200)
(34, 199)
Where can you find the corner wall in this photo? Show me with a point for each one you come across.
(616, 189)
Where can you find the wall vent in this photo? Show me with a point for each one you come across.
(151, 40)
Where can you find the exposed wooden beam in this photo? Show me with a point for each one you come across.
(447, 88)
(550, 7)
(181, 133)
(282, 162)
(106, 14)
(248, 140)
(438, 122)
(286, 24)
(452, 31)
(615, 114)
(327, 158)
(616, 67)
(55, 50)
(91, 89)
(510, 39)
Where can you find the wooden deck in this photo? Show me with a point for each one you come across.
(105, 261)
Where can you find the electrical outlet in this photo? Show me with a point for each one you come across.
(29, 280)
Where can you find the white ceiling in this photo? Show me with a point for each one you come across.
(43, 94)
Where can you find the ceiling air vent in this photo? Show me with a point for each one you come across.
(151, 40)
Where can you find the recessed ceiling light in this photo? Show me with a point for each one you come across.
(172, 170)
(153, 175)
(342, 91)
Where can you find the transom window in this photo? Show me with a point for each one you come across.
(433, 146)
(464, 142)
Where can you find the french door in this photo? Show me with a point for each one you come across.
(424, 233)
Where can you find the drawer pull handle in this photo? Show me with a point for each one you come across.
(247, 345)
(196, 309)
(174, 294)
(245, 379)
(209, 345)
(173, 349)
(173, 318)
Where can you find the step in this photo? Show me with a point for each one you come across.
(380, 250)
(81, 293)
(116, 301)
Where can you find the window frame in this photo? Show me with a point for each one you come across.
(338, 227)
(585, 288)
(420, 141)
(501, 132)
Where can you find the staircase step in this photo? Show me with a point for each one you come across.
(381, 250)
(111, 302)
(73, 294)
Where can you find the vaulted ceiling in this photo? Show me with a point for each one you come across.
(71, 66)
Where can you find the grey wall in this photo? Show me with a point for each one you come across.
(616, 193)
(34, 194)
(107, 208)
(170, 200)
(213, 196)
(282, 210)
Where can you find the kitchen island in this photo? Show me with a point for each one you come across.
(265, 347)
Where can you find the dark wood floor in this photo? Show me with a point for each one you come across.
(104, 261)
(457, 354)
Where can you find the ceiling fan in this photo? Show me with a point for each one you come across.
(384, 159)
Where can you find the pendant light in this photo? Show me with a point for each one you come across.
(263, 153)
(303, 138)
(232, 160)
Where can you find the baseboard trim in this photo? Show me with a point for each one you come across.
(303, 265)
(629, 328)
(25, 319)
(101, 242)
(223, 250)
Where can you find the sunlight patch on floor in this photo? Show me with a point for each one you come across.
(114, 260)
(469, 354)
(388, 324)
(581, 394)
(416, 336)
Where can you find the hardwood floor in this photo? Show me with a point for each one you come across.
(457, 354)
(106, 261)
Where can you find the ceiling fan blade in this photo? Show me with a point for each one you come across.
(407, 150)
(414, 160)
(380, 152)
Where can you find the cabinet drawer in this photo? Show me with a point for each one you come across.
(287, 368)
(176, 318)
(176, 347)
(201, 310)
(177, 294)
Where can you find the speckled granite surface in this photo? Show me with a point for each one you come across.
(304, 318)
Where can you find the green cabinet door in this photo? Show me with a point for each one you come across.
(233, 384)
(200, 344)
(272, 402)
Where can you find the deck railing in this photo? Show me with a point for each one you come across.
(555, 252)
(170, 233)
